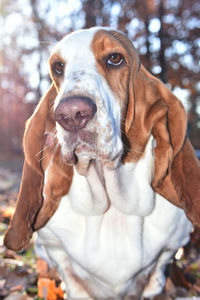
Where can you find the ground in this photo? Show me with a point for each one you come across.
(25, 277)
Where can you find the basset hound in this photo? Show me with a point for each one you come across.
(109, 174)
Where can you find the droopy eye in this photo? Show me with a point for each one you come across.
(115, 59)
(58, 68)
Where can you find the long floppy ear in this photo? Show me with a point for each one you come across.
(177, 170)
(30, 198)
(57, 184)
(157, 112)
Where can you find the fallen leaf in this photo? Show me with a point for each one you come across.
(178, 278)
(47, 289)
(169, 287)
(2, 283)
(42, 267)
(162, 297)
(8, 212)
(45, 272)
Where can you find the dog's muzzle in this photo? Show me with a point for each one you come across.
(73, 113)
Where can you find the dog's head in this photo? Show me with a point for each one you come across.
(103, 106)
(91, 70)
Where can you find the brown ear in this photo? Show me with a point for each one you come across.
(145, 108)
(159, 113)
(177, 170)
(57, 184)
(185, 177)
(30, 195)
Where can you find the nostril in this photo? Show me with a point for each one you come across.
(67, 122)
(81, 119)
(64, 119)
(82, 116)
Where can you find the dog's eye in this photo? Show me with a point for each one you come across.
(115, 59)
(58, 68)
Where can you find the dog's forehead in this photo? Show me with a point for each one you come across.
(78, 43)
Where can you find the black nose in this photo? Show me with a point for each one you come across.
(73, 113)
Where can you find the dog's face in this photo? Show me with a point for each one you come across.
(91, 71)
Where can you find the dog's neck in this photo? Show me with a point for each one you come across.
(127, 188)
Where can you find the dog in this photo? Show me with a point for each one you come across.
(109, 173)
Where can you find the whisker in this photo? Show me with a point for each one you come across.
(124, 123)
(43, 156)
(41, 150)
(49, 43)
(52, 107)
(53, 134)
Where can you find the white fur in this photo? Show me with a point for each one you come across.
(112, 229)
(108, 250)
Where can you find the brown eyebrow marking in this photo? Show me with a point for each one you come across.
(56, 57)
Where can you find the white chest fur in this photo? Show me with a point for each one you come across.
(111, 225)
(126, 188)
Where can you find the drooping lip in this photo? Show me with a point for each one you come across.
(80, 136)
(79, 143)
(83, 146)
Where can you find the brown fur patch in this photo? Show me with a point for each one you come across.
(104, 44)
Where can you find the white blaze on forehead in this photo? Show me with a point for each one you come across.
(77, 42)
(75, 50)
(77, 45)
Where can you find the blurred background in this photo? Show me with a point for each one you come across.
(165, 32)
